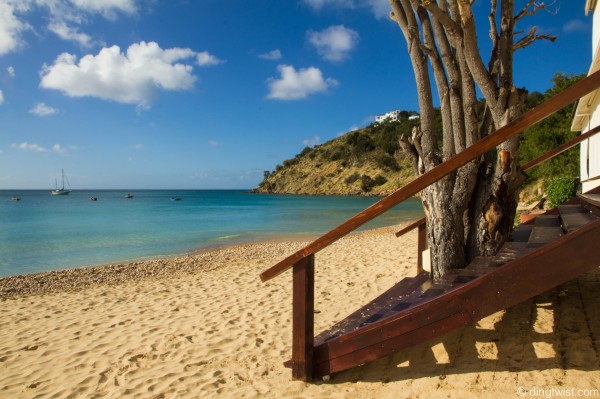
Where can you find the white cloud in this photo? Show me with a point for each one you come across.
(1, 97)
(379, 8)
(204, 58)
(295, 85)
(10, 28)
(136, 146)
(130, 78)
(319, 4)
(108, 8)
(214, 143)
(271, 55)
(575, 25)
(68, 33)
(61, 150)
(41, 109)
(25, 146)
(316, 140)
(334, 43)
(11, 71)
(13, 14)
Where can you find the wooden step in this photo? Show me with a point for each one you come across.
(510, 251)
(591, 201)
(545, 229)
(391, 299)
(410, 292)
(574, 217)
(521, 233)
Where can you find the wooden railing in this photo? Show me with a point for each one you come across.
(421, 225)
(302, 261)
(560, 149)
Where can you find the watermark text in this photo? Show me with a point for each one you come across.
(538, 392)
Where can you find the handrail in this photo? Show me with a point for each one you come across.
(560, 149)
(411, 227)
(531, 117)
(421, 226)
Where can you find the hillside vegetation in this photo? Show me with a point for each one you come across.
(361, 162)
(369, 162)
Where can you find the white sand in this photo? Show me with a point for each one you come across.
(219, 332)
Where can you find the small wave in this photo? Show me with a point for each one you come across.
(228, 237)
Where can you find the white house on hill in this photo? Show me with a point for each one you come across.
(587, 114)
(393, 116)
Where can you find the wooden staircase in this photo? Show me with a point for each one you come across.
(557, 247)
(541, 256)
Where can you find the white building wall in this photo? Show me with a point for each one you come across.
(595, 33)
(590, 152)
(587, 115)
(391, 116)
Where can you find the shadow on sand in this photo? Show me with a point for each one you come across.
(558, 330)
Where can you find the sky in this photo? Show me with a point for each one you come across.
(209, 94)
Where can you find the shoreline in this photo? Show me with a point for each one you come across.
(199, 260)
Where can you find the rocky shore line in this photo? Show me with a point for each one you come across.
(115, 274)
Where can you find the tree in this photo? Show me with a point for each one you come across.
(550, 133)
(470, 212)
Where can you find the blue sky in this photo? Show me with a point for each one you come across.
(203, 94)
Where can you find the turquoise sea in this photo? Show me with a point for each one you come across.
(41, 232)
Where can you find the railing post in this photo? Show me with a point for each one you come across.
(303, 318)
(421, 245)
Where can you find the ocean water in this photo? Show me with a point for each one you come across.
(41, 232)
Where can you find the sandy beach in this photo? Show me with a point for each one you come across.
(203, 325)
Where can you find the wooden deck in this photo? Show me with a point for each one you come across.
(539, 257)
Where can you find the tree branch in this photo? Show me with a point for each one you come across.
(526, 12)
(442, 17)
(493, 63)
(404, 14)
(530, 38)
(480, 73)
(431, 42)
(411, 147)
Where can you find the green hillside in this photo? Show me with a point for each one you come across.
(361, 162)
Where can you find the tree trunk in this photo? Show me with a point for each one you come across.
(470, 212)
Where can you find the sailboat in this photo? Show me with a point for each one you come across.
(61, 191)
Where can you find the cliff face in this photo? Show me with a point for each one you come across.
(362, 162)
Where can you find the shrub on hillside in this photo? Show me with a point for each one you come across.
(560, 189)
(352, 178)
(368, 183)
(387, 162)
(380, 180)
(290, 162)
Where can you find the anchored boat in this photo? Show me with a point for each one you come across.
(61, 191)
